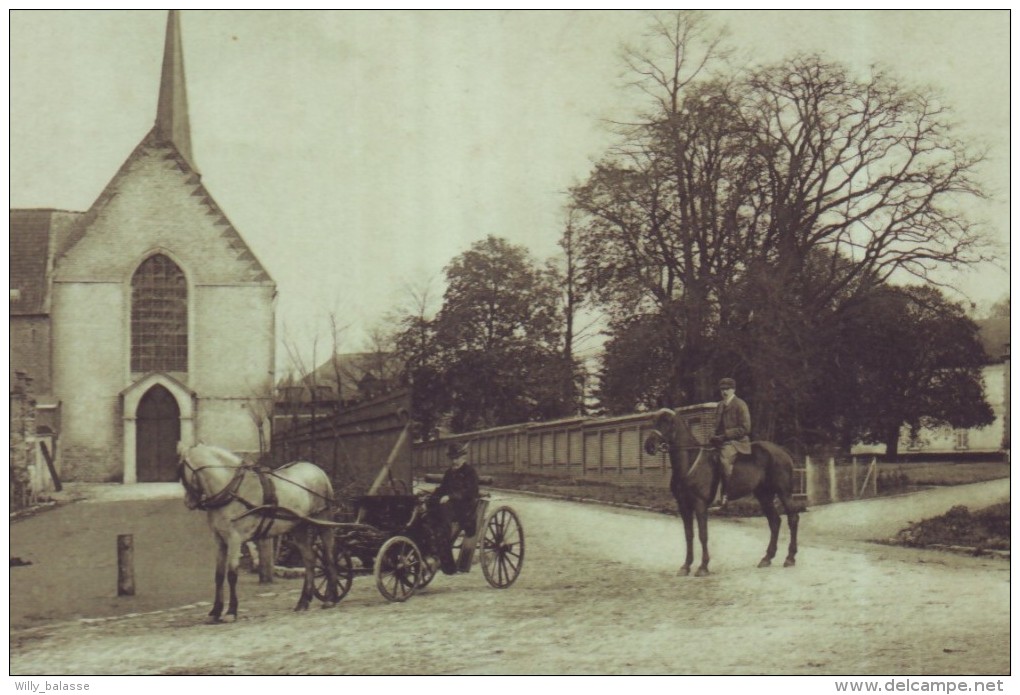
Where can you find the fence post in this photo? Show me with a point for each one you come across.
(809, 481)
(853, 476)
(584, 449)
(833, 482)
(871, 477)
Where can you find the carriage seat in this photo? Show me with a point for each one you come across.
(389, 512)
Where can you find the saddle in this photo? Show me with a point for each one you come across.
(747, 458)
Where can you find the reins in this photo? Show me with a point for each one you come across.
(694, 466)
(696, 447)
(229, 494)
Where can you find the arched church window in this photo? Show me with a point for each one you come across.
(159, 317)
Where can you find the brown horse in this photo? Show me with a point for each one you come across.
(766, 473)
(244, 504)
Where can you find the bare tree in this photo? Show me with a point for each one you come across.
(746, 209)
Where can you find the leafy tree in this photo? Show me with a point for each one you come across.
(636, 366)
(1000, 309)
(907, 356)
(492, 355)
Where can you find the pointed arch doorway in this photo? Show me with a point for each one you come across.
(158, 423)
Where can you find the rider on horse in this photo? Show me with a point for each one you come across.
(732, 431)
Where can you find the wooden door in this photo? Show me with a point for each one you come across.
(158, 428)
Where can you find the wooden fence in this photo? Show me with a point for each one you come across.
(353, 445)
(840, 479)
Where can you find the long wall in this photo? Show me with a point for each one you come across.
(607, 449)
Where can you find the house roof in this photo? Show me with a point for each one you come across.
(353, 368)
(35, 236)
(994, 336)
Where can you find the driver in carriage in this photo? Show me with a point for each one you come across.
(732, 431)
(454, 500)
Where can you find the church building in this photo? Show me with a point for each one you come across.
(146, 319)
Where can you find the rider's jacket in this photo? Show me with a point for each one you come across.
(733, 423)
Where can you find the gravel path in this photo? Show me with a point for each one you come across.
(599, 595)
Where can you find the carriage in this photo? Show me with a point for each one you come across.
(386, 535)
(391, 539)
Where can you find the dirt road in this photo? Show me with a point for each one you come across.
(599, 595)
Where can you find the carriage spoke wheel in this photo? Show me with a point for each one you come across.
(398, 568)
(502, 548)
(344, 572)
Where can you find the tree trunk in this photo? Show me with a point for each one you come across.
(892, 444)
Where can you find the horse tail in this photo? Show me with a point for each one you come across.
(783, 459)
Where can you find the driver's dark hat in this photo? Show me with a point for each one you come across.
(456, 450)
(727, 383)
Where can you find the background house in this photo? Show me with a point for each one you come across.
(992, 440)
(340, 382)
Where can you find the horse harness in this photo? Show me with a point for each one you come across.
(268, 510)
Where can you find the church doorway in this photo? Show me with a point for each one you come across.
(158, 431)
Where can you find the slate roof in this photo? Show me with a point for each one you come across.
(356, 370)
(35, 235)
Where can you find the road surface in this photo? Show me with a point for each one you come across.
(599, 595)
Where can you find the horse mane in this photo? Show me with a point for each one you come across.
(678, 420)
(209, 455)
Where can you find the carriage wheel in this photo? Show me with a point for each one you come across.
(398, 568)
(502, 547)
(427, 575)
(344, 572)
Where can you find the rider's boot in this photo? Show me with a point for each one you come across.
(723, 501)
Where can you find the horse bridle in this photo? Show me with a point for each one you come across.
(664, 444)
(194, 489)
(664, 447)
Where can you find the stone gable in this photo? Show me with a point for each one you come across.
(157, 202)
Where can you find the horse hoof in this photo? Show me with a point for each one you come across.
(702, 572)
(683, 571)
(328, 604)
(790, 562)
(213, 619)
(765, 563)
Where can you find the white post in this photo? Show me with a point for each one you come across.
(833, 482)
(810, 476)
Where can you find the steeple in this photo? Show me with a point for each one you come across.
(172, 111)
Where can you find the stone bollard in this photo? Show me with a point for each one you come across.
(125, 565)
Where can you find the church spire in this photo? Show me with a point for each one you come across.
(172, 111)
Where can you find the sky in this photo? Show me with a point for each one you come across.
(359, 152)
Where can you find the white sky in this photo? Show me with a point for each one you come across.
(359, 152)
